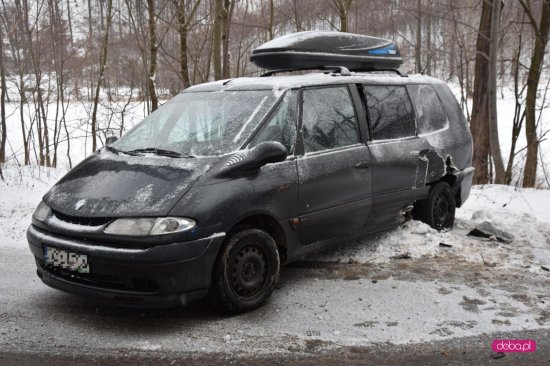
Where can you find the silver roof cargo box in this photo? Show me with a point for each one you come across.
(321, 49)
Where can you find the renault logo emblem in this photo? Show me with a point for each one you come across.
(79, 204)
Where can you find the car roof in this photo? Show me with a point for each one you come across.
(311, 79)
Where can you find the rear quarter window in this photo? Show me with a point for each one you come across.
(430, 115)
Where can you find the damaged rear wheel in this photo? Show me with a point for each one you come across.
(438, 210)
(247, 271)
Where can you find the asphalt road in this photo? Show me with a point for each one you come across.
(322, 314)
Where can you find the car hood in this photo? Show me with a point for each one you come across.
(110, 185)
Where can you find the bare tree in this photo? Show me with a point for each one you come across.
(480, 114)
(102, 63)
(418, 44)
(492, 102)
(153, 49)
(217, 38)
(342, 8)
(3, 126)
(184, 21)
(541, 31)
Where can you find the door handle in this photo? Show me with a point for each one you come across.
(362, 165)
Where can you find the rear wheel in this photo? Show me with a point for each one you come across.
(438, 210)
(247, 271)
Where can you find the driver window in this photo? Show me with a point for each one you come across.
(281, 126)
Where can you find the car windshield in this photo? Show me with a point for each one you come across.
(202, 123)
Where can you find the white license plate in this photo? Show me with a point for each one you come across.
(66, 260)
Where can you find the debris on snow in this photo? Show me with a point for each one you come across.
(496, 356)
(488, 263)
(406, 255)
(487, 230)
(445, 245)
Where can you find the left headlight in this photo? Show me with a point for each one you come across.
(41, 212)
(149, 226)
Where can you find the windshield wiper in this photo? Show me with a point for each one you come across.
(162, 152)
(117, 151)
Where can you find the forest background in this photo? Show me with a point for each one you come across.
(74, 72)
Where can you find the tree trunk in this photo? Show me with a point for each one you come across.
(418, 45)
(342, 7)
(229, 6)
(69, 20)
(153, 49)
(519, 115)
(537, 58)
(429, 39)
(217, 40)
(3, 132)
(183, 29)
(102, 63)
(271, 16)
(479, 123)
(493, 122)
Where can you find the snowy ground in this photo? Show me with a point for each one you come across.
(355, 295)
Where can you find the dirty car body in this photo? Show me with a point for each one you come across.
(361, 150)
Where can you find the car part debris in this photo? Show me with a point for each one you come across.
(487, 230)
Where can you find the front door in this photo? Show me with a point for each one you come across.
(334, 169)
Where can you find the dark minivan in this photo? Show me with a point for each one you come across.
(212, 192)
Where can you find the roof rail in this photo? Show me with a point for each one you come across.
(337, 69)
(344, 71)
(397, 71)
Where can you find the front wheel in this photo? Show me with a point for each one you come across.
(246, 272)
(438, 210)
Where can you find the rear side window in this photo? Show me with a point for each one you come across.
(390, 112)
(430, 115)
(328, 119)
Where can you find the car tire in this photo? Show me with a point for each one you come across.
(438, 210)
(247, 271)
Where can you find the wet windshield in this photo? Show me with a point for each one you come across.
(204, 123)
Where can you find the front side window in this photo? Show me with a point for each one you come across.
(328, 119)
(282, 124)
(202, 123)
(390, 112)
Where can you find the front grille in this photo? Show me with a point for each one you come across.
(86, 221)
(102, 281)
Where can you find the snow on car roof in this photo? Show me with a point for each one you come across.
(311, 79)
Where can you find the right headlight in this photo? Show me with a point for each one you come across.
(41, 212)
(149, 226)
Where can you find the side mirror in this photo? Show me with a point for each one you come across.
(268, 152)
(250, 160)
(110, 140)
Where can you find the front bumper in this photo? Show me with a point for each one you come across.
(163, 275)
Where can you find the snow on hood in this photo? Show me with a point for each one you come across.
(109, 185)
